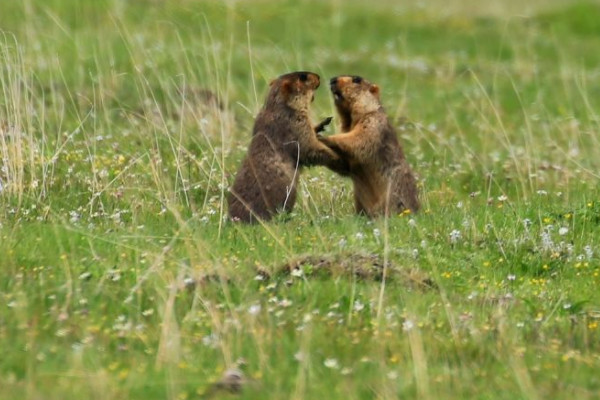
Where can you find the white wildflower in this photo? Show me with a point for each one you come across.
(358, 306)
(455, 236)
(297, 272)
(331, 363)
(589, 253)
(285, 303)
(74, 216)
(114, 275)
(84, 276)
(547, 243)
(254, 309)
(569, 248)
(189, 282)
(148, 312)
(211, 341)
(407, 325)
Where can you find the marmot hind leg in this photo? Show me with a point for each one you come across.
(406, 190)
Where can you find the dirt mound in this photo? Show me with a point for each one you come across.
(362, 266)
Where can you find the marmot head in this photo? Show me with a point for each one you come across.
(295, 90)
(354, 95)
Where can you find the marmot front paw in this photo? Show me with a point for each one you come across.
(323, 124)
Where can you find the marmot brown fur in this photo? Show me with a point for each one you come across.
(383, 181)
(283, 141)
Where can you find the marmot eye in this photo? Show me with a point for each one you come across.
(303, 77)
(357, 79)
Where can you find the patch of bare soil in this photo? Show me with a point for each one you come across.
(359, 265)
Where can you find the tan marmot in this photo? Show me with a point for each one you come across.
(383, 181)
(283, 141)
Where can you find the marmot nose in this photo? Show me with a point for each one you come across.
(333, 81)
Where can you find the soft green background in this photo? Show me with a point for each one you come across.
(114, 168)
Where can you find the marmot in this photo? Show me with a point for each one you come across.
(283, 141)
(383, 181)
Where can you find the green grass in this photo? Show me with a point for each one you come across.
(120, 276)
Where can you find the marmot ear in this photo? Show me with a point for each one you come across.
(286, 88)
(374, 89)
(272, 82)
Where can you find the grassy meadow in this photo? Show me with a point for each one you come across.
(121, 277)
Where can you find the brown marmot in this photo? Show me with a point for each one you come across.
(383, 181)
(283, 141)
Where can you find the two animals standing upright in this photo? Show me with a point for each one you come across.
(284, 140)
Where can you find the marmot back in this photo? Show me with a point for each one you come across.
(283, 140)
(384, 183)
